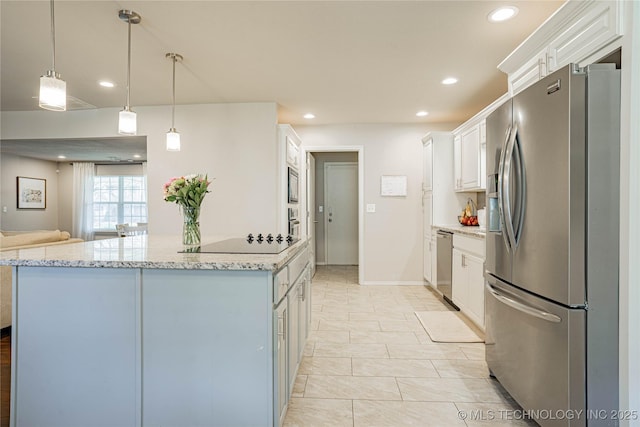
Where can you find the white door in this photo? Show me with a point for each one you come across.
(341, 216)
(311, 210)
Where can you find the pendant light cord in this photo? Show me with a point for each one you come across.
(128, 64)
(53, 38)
(173, 109)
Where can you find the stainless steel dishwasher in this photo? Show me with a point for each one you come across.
(444, 273)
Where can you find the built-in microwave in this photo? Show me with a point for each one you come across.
(293, 186)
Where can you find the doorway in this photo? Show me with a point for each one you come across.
(317, 215)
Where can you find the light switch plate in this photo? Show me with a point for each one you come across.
(371, 208)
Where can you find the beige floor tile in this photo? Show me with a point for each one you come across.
(449, 390)
(351, 325)
(347, 387)
(393, 368)
(398, 414)
(376, 316)
(425, 351)
(325, 366)
(319, 413)
(308, 349)
(493, 414)
(351, 350)
(348, 308)
(324, 315)
(330, 336)
(373, 337)
(462, 368)
(299, 385)
(473, 351)
(400, 325)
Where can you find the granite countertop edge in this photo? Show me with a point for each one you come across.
(147, 252)
(472, 231)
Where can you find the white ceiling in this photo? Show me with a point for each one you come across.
(345, 61)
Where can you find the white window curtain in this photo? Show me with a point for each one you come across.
(83, 173)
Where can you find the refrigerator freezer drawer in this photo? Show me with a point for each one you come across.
(536, 349)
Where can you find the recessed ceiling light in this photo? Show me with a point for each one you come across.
(62, 157)
(502, 14)
(450, 81)
(421, 113)
(105, 83)
(136, 156)
(309, 116)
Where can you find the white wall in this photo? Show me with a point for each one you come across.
(15, 219)
(234, 143)
(392, 235)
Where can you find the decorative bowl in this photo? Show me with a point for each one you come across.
(468, 221)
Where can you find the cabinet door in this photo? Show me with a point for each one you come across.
(427, 260)
(280, 362)
(457, 163)
(427, 210)
(475, 279)
(303, 299)
(470, 147)
(529, 73)
(596, 28)
(434, 261)
(459, 280)
(293, 331)
(427, 181)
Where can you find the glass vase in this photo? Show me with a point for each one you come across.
(191, 229)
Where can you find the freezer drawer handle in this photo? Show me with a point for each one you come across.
(549, 317)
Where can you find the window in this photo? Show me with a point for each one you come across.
(118, 200)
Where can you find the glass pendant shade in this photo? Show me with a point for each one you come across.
(173, 140)
(53, 92)
(127, 123)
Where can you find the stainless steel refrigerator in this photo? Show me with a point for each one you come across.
(552, 246)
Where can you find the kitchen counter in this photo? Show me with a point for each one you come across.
(472, 231)
(157, 252)
(105, 333)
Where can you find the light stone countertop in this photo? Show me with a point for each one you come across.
(472, 231)
(144, 252)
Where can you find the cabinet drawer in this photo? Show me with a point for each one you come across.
(280, 284)
(469, 244)
(297, 264)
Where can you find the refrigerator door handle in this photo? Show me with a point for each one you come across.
(521, 191)
(501, 183)
(522, 307)
(506, 190)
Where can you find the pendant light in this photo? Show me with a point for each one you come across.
(173, 137)
(53, 90)
(127, 119)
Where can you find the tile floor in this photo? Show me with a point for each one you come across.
(369, 362)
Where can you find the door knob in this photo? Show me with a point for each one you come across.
(330, 220)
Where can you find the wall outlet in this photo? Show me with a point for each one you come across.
(4, 209)
(320, 208)
(371, 208)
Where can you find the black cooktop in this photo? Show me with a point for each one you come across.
(248, 245)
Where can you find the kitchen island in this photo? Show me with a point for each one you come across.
(129, 332)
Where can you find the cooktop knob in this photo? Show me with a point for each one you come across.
(260, 238)
(250, 238)
(289, 239)
(269, 238)
(279, 238)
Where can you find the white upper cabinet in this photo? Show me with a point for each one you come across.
(469, 151)
(579, 32)
(457, 163)
(470, 158)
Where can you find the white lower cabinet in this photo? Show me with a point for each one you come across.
(468, 277)
(280, 359)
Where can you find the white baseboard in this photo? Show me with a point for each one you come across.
(321, 263)
(392, 283)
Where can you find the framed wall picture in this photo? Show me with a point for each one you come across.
(32, 193)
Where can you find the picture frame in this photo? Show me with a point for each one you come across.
(292, 186)
(31, 193)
